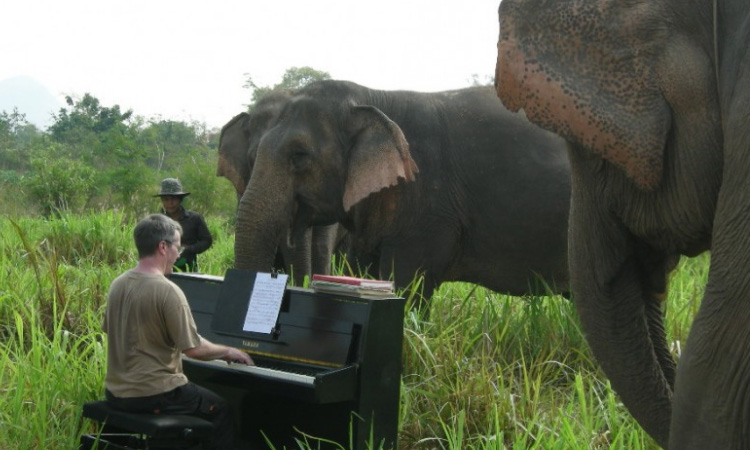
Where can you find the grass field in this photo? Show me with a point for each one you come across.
(486, 371)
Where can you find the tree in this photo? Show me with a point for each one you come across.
(169, 140)
(293, 78)
(16, 136)
(86, 114)
(94, 132)
(105, 141)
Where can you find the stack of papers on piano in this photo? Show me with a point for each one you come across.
(338, 284)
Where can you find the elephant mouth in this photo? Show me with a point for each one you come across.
(311, 213)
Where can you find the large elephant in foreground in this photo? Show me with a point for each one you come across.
(654, 98)
(310, 251)
(447, 185)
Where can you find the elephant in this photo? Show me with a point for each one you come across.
(654, 101)
(445, 186)
(309, 252)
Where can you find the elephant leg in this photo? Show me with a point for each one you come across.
(712, 389)
(363, 263)
(405, 267)
(342, 242)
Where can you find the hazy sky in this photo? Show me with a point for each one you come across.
(188, 59)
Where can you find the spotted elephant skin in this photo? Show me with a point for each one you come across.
(447, 185)
(654, 100)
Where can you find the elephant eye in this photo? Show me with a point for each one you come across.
(300, 160)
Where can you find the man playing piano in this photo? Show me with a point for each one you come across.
(149, 324)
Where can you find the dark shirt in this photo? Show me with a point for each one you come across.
(195, 239)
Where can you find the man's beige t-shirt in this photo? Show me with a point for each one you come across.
(148, 324)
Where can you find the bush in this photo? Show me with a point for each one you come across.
(58, 182)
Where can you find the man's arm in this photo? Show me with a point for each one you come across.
(207, 350)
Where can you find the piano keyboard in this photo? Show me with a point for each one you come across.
(255, 370)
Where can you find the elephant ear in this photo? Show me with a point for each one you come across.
(588, 71)
(379, 156)
(233, 142)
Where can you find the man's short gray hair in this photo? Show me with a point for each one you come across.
(153, 229)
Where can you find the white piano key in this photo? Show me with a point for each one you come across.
(256, 370)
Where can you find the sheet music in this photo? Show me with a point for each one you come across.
(265, 302)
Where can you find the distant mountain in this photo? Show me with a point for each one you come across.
(31, 98)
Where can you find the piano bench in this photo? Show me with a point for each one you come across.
(125, 431)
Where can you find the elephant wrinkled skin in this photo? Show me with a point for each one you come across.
(449, 185)
(654, 100)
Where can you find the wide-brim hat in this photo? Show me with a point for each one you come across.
(171, 187)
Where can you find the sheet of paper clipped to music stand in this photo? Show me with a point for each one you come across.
(265, 302)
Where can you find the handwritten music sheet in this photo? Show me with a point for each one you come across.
(265, 302)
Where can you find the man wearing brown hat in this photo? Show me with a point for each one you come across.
(196, 238)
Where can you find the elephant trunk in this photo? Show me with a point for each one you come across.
(263, 215)
(621, 340)
(621, 316)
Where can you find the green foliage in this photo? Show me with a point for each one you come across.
(9, 123)
(16, 137)
(169, 140)
(44, 378)
(52, 268)
(209, 194)
(294, 78)
(97, 134)
(86, 115)
(59, 182)
(102, 237)
(97, 156)
(125, 188)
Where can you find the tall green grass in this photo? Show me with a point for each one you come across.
(484, 371)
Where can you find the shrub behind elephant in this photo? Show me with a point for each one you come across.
(311, 250)
(449, 185)
(655, 98)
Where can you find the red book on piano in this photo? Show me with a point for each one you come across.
(354, 281)
(339, 284)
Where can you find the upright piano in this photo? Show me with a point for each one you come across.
(329, 373)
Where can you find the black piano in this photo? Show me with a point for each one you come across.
(329, 371)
